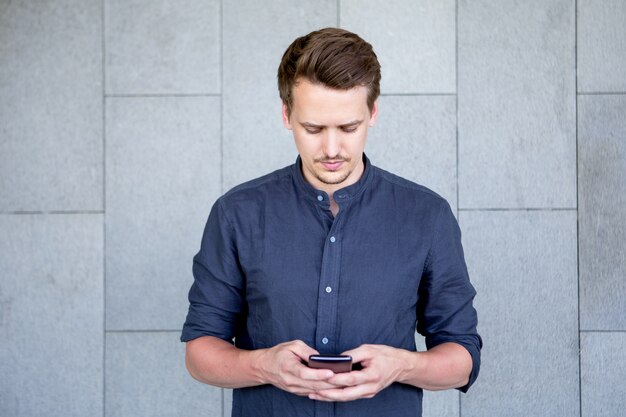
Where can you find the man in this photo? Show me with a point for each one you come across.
(331, 255)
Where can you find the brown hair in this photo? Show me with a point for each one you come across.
(332, 57)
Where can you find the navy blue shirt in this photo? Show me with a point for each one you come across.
(275, 265)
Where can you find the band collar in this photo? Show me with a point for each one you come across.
(341, 195)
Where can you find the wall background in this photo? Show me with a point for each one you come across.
(121, 121)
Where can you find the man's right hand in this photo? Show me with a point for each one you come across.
(283, 367)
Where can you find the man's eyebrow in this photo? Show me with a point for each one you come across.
(309, 124)
(316, 126)
(352, 123)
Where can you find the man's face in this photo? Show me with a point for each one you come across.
(330, 129)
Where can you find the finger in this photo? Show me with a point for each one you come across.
(360, 354)
(345, 394)
(310, 374)
(302, 350)
(349, 379)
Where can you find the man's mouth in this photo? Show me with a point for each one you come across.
(332, 165)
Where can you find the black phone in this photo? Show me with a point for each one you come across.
(336, 363)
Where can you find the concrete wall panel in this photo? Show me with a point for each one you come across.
(414, 41)
(523, 265)
(163, 47)
(601, 46)
(602, 211)
(51, 315)
(163, 170)
(50, 106)
(517, 118)
(146, 377)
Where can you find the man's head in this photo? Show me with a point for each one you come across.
(329, 84)
(332, 57)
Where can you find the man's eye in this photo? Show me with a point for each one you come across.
(313, 131)
(349, 129)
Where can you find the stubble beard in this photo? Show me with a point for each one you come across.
(333, 181)
(327, 177)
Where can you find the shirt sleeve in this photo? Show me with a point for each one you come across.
(216, 297)
(445, 311)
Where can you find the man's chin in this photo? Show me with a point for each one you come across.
(333, 178)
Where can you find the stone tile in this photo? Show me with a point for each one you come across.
(517, 104)
(50, 106)
(162, 174)
(523, 265)
(415, 45)
(601, 46)
(415, 137)
(255, 38)
(440, 403)
(51, 315)
(602, 367)
(146, 376)
(162, 47)
(602, 211)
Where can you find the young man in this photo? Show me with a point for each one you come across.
(331, 255)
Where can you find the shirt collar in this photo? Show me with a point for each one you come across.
(341, 195)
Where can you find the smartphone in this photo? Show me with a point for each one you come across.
(336, 363)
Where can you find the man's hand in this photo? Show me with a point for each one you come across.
(442, 367)
(382, 365)
(282, 367)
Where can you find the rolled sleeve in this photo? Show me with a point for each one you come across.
(216, 295)
(445, 308)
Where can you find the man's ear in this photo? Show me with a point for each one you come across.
(286, 121)
(374, 114)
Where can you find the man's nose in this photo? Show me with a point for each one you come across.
(331, 143)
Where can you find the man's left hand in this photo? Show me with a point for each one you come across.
(382, 365)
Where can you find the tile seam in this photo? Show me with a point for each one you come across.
(52, 212)
(580, 385)
(600, 93)
(104, 95)
(221, 44)
(142, 331)
(418, 94)
(162, 95)
(456, 132)
(519, 209)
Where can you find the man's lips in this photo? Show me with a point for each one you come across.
(332, 165)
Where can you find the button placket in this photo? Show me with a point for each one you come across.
(327, 301)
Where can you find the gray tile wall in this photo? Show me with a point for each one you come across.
(122, 121)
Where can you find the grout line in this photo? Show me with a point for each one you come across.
(222, 101)
(51, 212)
(221, 42)
(143, 331)
(161, 95)
(580, 384)
(456, 105)
(104, 246)
(521, 209)
(600, 93)
(603, 331)
(456, 130)
(418, 94)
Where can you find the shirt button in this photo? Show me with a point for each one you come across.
(320, 198)
(332, 239)
(328, 289)
(325, 341)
